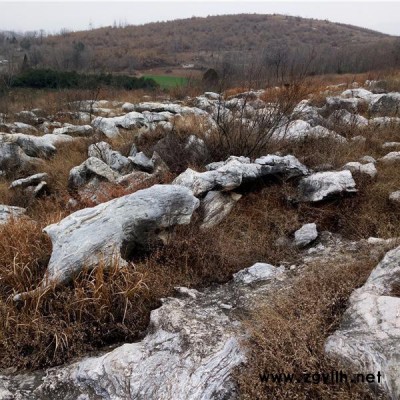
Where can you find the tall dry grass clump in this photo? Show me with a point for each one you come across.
(288, 333)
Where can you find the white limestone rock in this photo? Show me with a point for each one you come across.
(256, 273)
(36, 146)
(10, 212)
(305, 235)
(388, 103)
(391, 157)
(369, 336)
(114, 159)
(367, 160)
(322, 185)
(32, 180)
(358, 93)
(394, 197)
(230, 174)
(114, 229)
(74, 130)
(92, 167)
(142, 162)
(12, 158)
(366, 169)
(346, 118)
(293, 167)
(391, 145)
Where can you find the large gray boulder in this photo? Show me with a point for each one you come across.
(323, 185)
(115, 229)
(369, 336)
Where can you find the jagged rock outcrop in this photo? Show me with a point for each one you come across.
(109, 126)
(115, 229)
(323, 185)
(114, 159)
(369, 336)
(230, 174)
(91, 168)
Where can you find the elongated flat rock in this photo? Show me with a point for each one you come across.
(120, 226)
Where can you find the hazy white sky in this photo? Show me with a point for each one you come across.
(53, 16)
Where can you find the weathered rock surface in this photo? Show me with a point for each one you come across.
(369, 335)
(114, 159)
(109, 126)
(216, 206)
(93, 167)
(9, 212)
(322, 185)
(305, 235)
(386, 104)
(12, 157)
(36, 146)
(120, 226)
(142, 162)
(230, 174)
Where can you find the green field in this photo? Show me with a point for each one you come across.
(167, 82)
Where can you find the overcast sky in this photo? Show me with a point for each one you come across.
(52, 16)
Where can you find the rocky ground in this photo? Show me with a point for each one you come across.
(314, 181)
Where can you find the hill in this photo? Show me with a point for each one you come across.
(215, 41)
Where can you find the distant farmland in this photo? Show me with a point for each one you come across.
(167, 82)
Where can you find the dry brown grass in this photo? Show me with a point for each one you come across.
(109, 306)
(288, 333)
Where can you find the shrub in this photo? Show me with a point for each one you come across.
(52, 79)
